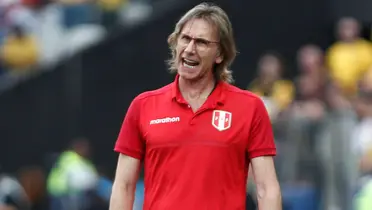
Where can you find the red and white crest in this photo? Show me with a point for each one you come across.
(221, 120)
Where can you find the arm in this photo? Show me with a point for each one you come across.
(267, 186)
(251, 186)
(261, 149)
(124, 186)
(131, 147)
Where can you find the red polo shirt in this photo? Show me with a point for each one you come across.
(196, 161)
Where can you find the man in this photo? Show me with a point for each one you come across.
(198, 135)
(19, 51)
(72, 177)
(350, 57)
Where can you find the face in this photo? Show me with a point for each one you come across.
(348, 29)
(197, 50)
(310, 58)
(269, 68)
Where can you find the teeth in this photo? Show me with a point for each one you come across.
(187, 60)
(190, 61)
(188, 66)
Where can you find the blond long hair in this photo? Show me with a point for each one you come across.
(218, 18)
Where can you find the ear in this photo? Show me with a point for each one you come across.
(219, 58)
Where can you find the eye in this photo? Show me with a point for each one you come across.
(202, 42)
(185, 38)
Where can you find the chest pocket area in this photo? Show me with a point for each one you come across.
(220, 128)
(164, 130)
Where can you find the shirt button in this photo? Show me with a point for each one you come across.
(188, 106)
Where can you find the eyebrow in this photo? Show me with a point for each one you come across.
(199, 38)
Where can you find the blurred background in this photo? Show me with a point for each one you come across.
(70, 68)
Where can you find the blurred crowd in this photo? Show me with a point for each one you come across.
(69, 180)
(322, 121)
(39, 33)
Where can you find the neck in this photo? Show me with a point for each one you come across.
(349, 40)
(200, 88)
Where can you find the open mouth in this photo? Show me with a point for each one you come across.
(189, 63)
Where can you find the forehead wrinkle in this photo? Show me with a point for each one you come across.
(206, 32)
(190, 23)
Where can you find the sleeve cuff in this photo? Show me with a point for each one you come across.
(262, 152)
(129, 152)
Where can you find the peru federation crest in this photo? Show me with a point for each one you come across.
(221, 120)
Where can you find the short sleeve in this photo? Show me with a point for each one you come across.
(130, 141)
(261, 137)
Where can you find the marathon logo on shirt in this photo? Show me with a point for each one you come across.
(165, 120)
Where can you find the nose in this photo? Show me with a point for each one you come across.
(190, 48)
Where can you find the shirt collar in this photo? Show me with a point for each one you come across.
(217, 97)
